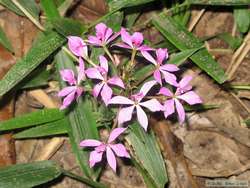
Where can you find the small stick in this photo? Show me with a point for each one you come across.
(196, 19)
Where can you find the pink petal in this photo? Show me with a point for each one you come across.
(68, 100)
(126, 37)
(166, 92)
(161, 55)
(79, 92)
(142, 117)
(94, 158)
(108, 34)
(190, 97)
(180, 111)
(168, 107)
(147, 56)
(185, 81)
(169, 78)
(104, 63)
(115, 133)
(123, 45)
(94, 74)
(120, 100)
(100, 29)
(106, 93)
(147, 86)
(81, 72)
(157, 76)
(145, 48)
(125, 114)
(77, 46)
(97, 89)
(67, 90)
(111, 158)
(90, 143)
(113, 37)
(169, 67)
(68, 76)
(153, 105)
(120, 150)
(137, 39)
(94, 40)
(116, 81)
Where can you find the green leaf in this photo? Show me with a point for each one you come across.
(82, 122)
(5, 41)
(11, 6)
(37, 54)
(50, 9)
(148, 154)
(28, 175)
(184, 40)
(49, 129)
(65, 6)
(201, 107)
(182, 56)
(219, 2)
(242, 18)
(247, 122)
(233, 42)
(118, 4)
(31, 6)
(31, 119)
(67, 26)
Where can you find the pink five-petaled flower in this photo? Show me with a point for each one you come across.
(100, 147)
(101, 73)
(125, 114)
(134, 42)
(182, 93)
(73, 91)
(104, 35)
(77, 46)
(161, 55)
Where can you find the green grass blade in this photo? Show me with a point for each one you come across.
(5, 41)
(220, 2)
(50, 9)
(148, 154)
(37, 54)
(31, 119)
(28, 175)
(58, 127)
(242, 18)
(118, 4)
(184, 40)
(12, 7)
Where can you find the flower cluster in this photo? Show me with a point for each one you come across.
(168, 94)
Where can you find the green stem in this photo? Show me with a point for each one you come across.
(109, 54)
(242, 87)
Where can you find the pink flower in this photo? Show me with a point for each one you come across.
(101, 73)
(110, 149)
(182, 93)
(125, 114)
(73, 91)
(77, 46)
(161, 55)
(134, 41)
(103, 35)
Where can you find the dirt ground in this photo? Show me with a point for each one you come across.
(214, 144)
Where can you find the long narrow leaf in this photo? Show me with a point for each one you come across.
(5, 41)
(219, 2)
(11, 6)
(184, 40)
(118, 4)
(50, 9)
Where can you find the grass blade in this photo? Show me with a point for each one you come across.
(5, 41)
(219, 2)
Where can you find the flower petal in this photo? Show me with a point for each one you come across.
(94, 41)
(185, 81)
(94, 158)
(161, 55)
(147, 86)
(147, 56)
(168, 107)
(108, 34)
(115, 80)
(120, 150)
(180, 111)
(165, 91)
(115, 133)
(68, 76)
(169, 78)
(153, 105)
(120, 100)
(93, 73)
(125, 36)
(77, 46)
(68, 100)
(106, 93)
(142, 117)
(97, 88)
(190, 97)
(125, 114)
(90, 143)
(137, 39)
(104, 63)
(65, 91)
(157, 76)
(121, 45)
(169, 67)
(79, 91)
(81, 72)
(111, 158)
(100, 29)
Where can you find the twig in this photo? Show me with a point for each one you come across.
(240, 102)
(196, 19)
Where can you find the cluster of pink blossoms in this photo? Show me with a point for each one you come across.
(128, 105)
